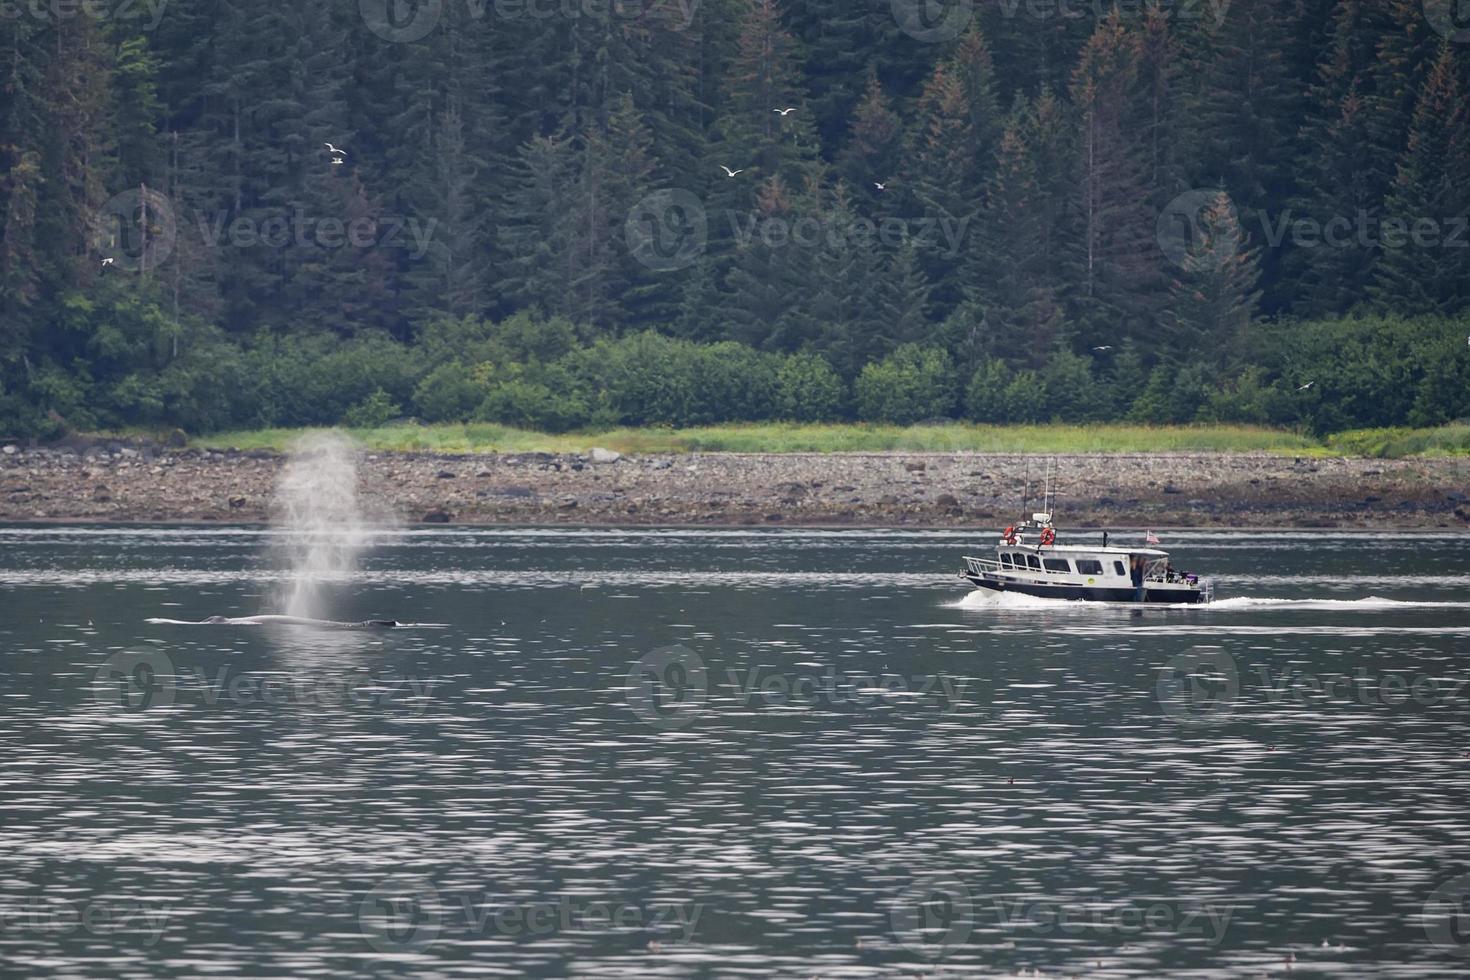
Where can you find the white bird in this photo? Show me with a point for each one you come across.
(1306, 386)
(880, 185)
(337, 161)
(108, 261)
(729, 172)
(334, 149)
(784, 112)
(1105, 347)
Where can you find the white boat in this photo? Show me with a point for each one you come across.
(1030, 558)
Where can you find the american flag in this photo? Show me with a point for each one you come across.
(1151, 538)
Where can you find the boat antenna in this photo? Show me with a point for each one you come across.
(1026, 489)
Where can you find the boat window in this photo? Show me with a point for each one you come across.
(1005, 559)
(1086, 566)
(1033, 561)
(1118, 568)
(1058, 565)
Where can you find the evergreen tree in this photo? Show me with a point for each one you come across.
(1427, 271)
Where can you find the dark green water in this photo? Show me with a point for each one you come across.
(740, 753)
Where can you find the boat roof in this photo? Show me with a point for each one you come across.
(1088, 549)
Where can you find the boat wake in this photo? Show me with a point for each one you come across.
(327, 624)
(985, 599)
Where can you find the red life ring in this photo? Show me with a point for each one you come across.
(1048, 536)
(1009, 534)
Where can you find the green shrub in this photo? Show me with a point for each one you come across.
(809, 390)
(449, 393)
(375, 410)
(910, 385)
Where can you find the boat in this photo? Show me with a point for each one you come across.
(1032, 560)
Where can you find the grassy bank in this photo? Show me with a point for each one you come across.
(778, 438)
(1447, 440)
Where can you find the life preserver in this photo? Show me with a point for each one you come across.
(1048, 536)
(1009, 535)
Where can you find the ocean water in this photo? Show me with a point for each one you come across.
(712, 753)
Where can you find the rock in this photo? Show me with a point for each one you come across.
(237, 503)
(775, 517)
(10, 450)
(601, 456)
(446, 475)
(947, 500)
(567, 505)
(1171, 488)
(1463, 513)
(918, 466)
(436, 517)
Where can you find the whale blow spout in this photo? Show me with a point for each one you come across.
(322, 522)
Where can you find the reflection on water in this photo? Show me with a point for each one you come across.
(705, 753)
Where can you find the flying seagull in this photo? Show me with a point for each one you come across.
(1105, 347)
(881, 185)
(729, 172)
(1306, 386)
(334, 150)
(785, 112)
(108, 261)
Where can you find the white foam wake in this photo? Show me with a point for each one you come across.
(985, 599)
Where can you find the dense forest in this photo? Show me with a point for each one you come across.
(565, 213)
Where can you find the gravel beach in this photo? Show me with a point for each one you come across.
(110, 481)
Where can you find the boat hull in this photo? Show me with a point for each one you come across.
(1059, 590)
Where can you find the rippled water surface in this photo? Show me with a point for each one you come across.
(730, 753)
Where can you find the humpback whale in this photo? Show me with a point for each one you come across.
(282, 621)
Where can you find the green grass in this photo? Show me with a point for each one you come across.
(787, 438)
(1446, 440)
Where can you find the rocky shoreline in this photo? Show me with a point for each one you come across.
(122, 482)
